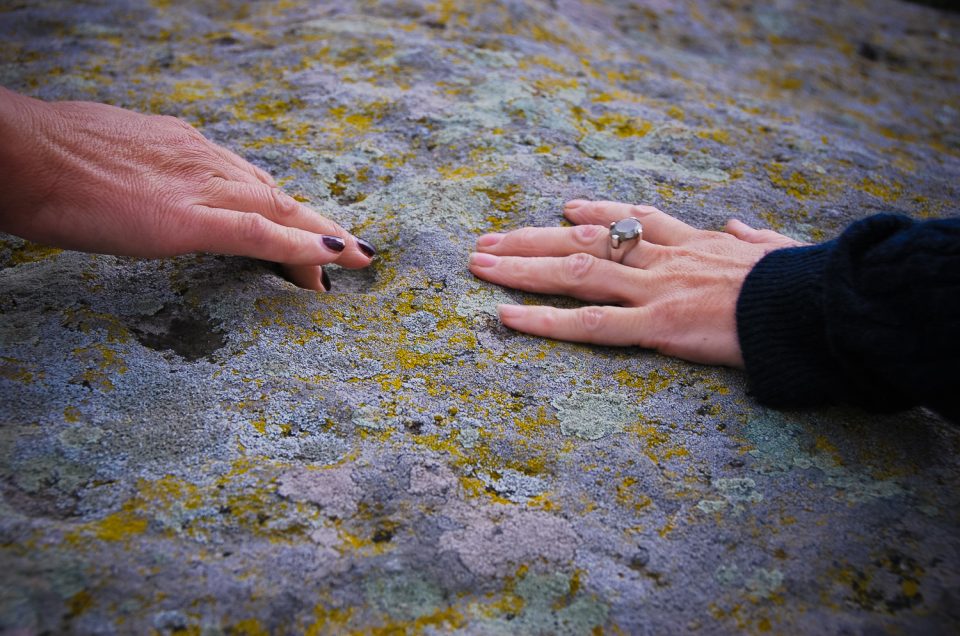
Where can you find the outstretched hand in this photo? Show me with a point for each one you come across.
(675, 291)
(97, 178)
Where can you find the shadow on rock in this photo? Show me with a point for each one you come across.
(182, 330)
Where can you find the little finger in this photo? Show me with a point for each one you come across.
(749, 234)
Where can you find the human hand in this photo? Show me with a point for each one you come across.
(676, 290)
(97, 178)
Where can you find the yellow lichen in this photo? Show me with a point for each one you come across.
(32, 253)
(793, 182)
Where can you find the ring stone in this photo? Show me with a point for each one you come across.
(624, 230)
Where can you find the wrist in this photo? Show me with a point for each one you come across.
(780, 326)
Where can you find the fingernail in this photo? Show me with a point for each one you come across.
(483, 260)
(333, 243)
(509, 311)
(574, 204)
(368, 250)
(325, 280)
(488, 240)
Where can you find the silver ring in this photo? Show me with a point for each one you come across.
(623, 233)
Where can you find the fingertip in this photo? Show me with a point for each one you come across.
(311, 277)
(510, 312)
(482, 259)
(365, 248)
(489, 240)
(736, 227)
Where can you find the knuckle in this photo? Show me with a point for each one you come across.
(548, 321)
(643, 210)
(175, 122)
(253, 228)
(578, 266)
(525, 237)
(587, 234)
(283, 204)
(591, 318)
(213, 187)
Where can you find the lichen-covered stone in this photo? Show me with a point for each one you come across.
(193, 445)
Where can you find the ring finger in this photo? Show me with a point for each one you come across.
(579, 275)
(564, 241)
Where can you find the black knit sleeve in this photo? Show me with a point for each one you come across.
(871, 318)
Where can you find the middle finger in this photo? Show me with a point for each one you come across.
(579, 275)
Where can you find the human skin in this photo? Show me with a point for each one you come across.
(675, 291)
(96, 178)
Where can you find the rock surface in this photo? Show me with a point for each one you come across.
(194, 445)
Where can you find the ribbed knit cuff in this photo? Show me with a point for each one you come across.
(780, 323)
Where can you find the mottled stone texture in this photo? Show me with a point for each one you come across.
(194, 445)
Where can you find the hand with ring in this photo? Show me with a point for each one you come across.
(659, 283)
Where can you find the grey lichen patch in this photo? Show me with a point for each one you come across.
(697, 166)
(468, 431)
(782, 446)
(593, 416)
(554, 604)
(512, 485)
(481, 304)
(763, 583)
(420, 323)
(736, 491)
(372, 418)
(404, 596)
(760, 583)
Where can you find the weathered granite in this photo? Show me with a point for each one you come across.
(195, 446)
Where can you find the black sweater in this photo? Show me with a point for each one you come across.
(870, 318)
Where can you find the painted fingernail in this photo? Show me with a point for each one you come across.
(488, 240)
(368, 250)
(483, 260)
(333, 243)
(509, 311)
(325, 280)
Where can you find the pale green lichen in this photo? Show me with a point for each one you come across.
(593, 416)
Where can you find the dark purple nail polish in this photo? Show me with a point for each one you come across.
(367, 249)
(325, 280)
(334, 243)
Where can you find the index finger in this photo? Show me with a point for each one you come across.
(658, 227)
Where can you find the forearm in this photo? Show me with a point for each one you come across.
(870, 318)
